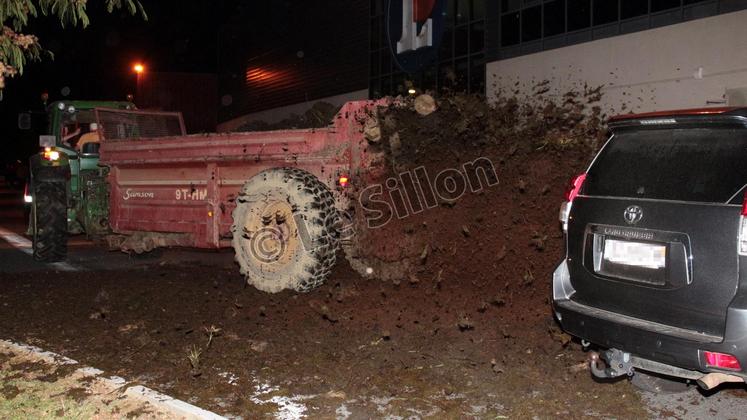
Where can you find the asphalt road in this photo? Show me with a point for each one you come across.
(83, 254)
(15, 257)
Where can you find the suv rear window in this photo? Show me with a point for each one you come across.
(685, 164)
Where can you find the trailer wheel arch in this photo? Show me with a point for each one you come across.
(285, 230)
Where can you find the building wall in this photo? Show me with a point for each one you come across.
(192, 94)
(690, 64)
(305, 52)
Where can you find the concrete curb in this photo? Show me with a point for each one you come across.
(174, 408)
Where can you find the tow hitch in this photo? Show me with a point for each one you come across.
(615, 363)
(618, 363)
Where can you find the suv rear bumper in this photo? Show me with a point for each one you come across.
(672, 346)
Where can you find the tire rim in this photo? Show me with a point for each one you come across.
(271, 235)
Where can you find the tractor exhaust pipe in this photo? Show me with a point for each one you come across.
(712, 380)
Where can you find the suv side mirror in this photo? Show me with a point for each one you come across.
(47, 141)
(24, 121)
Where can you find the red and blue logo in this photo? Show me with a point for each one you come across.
(414, 30)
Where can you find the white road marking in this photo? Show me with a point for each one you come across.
(24, 245)
(171, 406)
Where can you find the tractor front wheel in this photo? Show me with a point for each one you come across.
(49, 221)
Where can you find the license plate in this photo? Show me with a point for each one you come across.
(635, 253)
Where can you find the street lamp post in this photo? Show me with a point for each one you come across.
(139, 69)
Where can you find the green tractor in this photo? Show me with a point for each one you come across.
(67, 191)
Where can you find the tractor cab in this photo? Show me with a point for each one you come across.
(67, 191)
(76, 129)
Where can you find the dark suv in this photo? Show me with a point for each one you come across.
(655, 271)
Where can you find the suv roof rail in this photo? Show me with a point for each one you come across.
(725, 110)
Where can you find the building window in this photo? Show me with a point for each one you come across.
(633, 8)
(510, 27)
(531, 24)
(527, 26)
(460, 62)
(579, 14)
(554, 18)
(605, 12)
(659, 5)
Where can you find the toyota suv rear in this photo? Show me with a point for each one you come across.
(655, 271)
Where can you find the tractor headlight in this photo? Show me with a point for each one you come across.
(51, 155)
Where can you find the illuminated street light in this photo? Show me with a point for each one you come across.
(138, 68)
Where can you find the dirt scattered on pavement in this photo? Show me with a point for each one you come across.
(463, 330)
(395, 349)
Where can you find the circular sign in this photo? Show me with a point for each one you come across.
(414, 30)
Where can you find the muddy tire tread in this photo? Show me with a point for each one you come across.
(50, 226)
(320, 215)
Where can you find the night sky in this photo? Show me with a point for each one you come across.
(194, 36)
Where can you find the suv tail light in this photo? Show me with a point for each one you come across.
(721, 361)
(742, 245)
(574, 187)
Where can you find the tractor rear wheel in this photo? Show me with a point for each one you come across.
(285, 230)
(49, 221)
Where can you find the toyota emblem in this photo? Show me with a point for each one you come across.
(633, 214)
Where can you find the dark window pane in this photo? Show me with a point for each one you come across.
(399, 83)
(445, 51)
(429, 78)
(446, 76)
(449, 13)
(510, 5)
(386, 86)
(531, 23)
(605, 11)
(510, 29)
(659, 5)
(633, 8)
(554, 17)
(375, 62)
(375, 33)
(478, 9)
(462, 73)
(671, 164)
(477, 37)
(462, 13)
(579, 14)
(461, 46)
(386, 62)
(477, 76)
(375, 88)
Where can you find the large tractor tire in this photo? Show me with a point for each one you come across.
(285, 230)
(49, 221)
